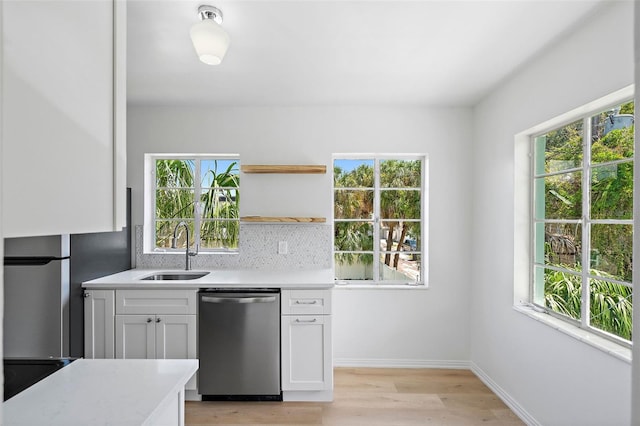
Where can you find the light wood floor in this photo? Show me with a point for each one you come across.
(372, 397)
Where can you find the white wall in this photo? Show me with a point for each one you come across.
(370, 326)
(556, 379)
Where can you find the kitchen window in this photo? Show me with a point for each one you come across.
(582, 223)
(203, 191)
(379, 219)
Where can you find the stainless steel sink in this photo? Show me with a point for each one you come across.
(175, 276)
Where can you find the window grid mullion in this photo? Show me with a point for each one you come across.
(197, 213)
(558, 172)
(611, 221)
(569, 221)
(403, 188)
(585, 307)
(376, 221)
(532, 215)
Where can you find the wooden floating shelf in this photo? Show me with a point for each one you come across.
(280, 219)
(301, 169)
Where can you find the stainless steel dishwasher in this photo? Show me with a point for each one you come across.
(239, 344)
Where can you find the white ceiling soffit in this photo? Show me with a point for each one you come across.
(298, 52)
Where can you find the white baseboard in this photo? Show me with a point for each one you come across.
(400, 363)
(505, 397)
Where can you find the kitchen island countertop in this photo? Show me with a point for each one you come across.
(298, 279)
(103, 392)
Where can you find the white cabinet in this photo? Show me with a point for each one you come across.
(307, 364)
(306, 302)
(99, 311)
(179, 302)
(135, 337)
(63, 116)
(305, 341)
(156, 336)
(156, 324)
(153, 324)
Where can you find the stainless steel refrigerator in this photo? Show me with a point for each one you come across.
(43, 297)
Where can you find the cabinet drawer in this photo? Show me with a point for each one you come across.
(156, 302)
(306, 302)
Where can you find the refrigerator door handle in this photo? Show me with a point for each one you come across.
(31, 260)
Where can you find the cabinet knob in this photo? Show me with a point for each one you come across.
(86, 295)
(158, 320)
(149, 319)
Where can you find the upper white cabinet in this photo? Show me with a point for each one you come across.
(63, 116)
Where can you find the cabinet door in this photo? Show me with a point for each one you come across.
(99, 311)
(306, 353)
(59, 130)
(175, 336)
(176, 339)
(135, 336)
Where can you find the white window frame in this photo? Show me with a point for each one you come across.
(524, 221)
(422, 281)
(150, 201)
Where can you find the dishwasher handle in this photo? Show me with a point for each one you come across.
(248, 299)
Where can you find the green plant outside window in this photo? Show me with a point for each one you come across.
(204, 192)
(582, 206)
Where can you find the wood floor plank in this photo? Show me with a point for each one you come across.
(386, 401)
(484, 401)
(252, 413)
(372, 397)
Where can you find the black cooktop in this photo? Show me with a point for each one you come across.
(20, 373)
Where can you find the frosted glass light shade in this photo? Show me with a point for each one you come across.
(210, 40)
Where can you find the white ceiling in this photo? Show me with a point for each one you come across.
(300, 52)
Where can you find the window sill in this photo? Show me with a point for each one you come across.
(607, 346)
(349, 286)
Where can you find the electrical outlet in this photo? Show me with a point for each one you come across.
(282, 247)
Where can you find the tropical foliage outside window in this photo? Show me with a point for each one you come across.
(583, 223)
(204, 192)
(378, 219)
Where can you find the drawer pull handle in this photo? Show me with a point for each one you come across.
(302, 302)
(308, 321)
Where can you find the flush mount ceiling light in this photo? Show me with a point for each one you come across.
(210, 40)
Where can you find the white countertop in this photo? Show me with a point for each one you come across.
(311, 279)
(100, 392)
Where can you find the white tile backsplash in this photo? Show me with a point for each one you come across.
(308, 247)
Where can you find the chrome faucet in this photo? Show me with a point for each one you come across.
(187, 254)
